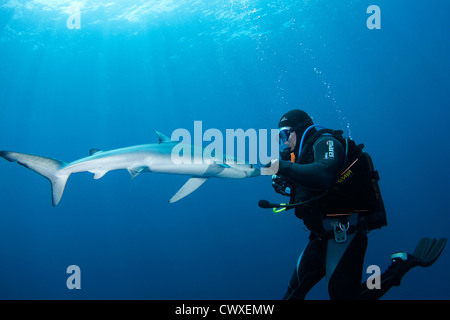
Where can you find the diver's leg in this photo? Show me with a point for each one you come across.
(345, 280)
(387, 281)
(390, 278)
(426, 253)
(309, 270)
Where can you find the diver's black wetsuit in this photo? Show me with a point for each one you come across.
(341, 263)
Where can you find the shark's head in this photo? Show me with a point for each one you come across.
(252, 171)
(244, 170)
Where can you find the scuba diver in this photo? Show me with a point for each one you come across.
(333, 188)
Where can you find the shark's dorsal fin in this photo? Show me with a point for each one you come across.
(94, 151)
(162, 137)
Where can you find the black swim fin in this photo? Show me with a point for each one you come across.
(428, 251)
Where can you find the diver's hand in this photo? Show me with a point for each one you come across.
(281, 185)
(271, 168)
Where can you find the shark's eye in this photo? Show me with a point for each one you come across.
(251, 166)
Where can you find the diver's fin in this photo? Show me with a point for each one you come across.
(190, 186)
(162, 137)
(428, 250)
(426, 253)
(46, 167)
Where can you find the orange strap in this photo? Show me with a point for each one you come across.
(349, 167)
(292, 157)
(346, 214)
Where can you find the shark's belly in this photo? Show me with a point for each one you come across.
(101, 165)
(200, 170)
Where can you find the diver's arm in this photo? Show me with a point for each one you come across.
(322, 173)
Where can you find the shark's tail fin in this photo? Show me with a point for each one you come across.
(46, 167)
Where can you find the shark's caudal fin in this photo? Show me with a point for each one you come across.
(46, 167)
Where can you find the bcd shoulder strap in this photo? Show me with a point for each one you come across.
(310, 142)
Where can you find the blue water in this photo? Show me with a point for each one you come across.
(137, 65)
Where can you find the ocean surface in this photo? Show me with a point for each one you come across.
(77, 75)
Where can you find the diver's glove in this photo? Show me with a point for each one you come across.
(285, 154)
(281, 185)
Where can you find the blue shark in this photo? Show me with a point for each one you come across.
(155, 157)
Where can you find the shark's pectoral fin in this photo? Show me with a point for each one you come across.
(190, 186)
(134, 172)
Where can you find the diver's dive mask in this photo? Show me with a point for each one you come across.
(284, 134)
